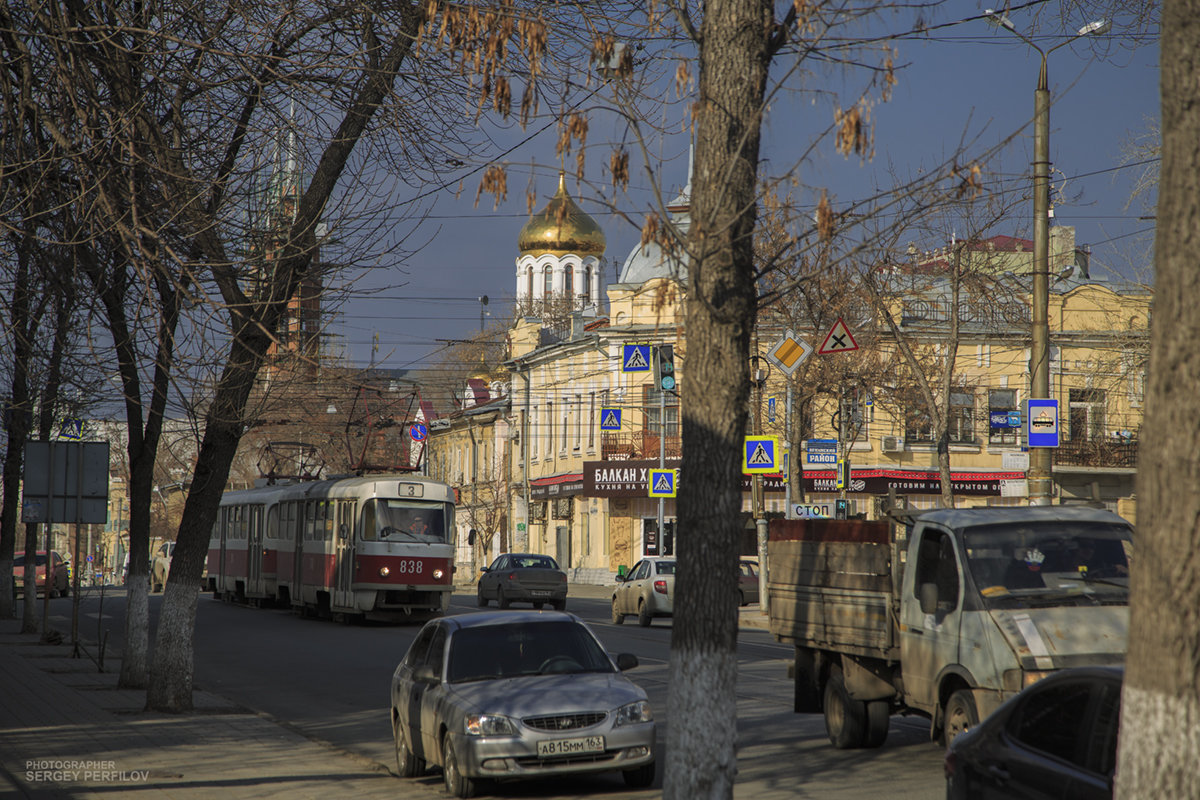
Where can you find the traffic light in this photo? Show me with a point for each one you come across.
(839, 509)
(664, 367)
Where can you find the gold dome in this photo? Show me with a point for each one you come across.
(561, 227)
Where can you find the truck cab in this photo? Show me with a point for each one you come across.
(993, 601)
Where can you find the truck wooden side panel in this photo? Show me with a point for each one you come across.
(830, 586)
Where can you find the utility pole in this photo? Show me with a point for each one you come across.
(1040, 478)
(760, 514)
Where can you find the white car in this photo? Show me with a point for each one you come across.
(648, 591)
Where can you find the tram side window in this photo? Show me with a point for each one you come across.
(310, 522)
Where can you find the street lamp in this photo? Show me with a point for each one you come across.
(1040, 479)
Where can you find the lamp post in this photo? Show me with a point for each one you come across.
(1040, 479)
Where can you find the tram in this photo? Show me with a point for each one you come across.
(376, 547)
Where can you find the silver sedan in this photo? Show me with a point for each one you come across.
(518, 694)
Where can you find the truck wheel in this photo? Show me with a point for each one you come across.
(878, 717)
(960, 716)
(845, 718)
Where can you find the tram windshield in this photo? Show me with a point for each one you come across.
(404, 521)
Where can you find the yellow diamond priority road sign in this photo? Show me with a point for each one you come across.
(789, 352)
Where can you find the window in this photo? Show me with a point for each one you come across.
(569, 281)
(1086, 415)
(663, 420)
(1001, 402)
(937, 564)
(529, 284)
(547, 283)
(960, 426)
(549, 429)
(591, 421)
(586, 289)
(1050, 720)
(578, 421)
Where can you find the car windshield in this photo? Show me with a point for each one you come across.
(534, 562)
(488, 652)
(19, 560)
(1027, 564)
(665, 567)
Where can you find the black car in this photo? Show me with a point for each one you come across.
(525, 578)
(1055, 739)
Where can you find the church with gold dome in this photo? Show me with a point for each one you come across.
(584, 429)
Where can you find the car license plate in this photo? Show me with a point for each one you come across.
(539, 593)
(569, 747)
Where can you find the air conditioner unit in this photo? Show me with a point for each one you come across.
(892, 444)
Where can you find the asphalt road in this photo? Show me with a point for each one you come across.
(330, 682)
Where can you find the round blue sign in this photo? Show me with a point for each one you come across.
(418, 432)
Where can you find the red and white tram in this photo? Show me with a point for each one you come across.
(377, 546)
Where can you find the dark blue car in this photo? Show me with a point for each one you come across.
(1055, 739)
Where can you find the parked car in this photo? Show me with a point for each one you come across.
(747, 582)
(1056, 738)
(515, 695)
(524, 578)
(648, 591)
(60, 583)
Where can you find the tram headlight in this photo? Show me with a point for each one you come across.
(437, 574)
(383, 572)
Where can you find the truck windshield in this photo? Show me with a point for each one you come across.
(1018, 565)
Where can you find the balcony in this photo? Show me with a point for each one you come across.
(1116, 453)
(637, 445)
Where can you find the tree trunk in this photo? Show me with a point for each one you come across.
(701, 755)
(1160, 710)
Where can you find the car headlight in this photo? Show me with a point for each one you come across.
(490, 725)
(633, 713)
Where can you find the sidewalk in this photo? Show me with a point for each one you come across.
(67, 731)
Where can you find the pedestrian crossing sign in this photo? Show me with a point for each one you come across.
(760, 454)
(635, 358)
(663, 482)
(610, 419)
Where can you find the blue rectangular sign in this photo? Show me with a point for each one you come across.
(820, 457)
(1042, 428)
(828, 445)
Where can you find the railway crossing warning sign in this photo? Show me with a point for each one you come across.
(664, 482)
(838, 340)
(760, 454)
(635, 358)
(610, 419)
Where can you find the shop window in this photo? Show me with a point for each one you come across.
(1000, 403)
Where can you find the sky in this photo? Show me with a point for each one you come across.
(968, 82)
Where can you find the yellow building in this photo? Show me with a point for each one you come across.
(1099, 343)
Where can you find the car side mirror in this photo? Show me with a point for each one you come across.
(928, 595)
(626, 661)
(621, 578)
(425, 674)
(483, 569)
